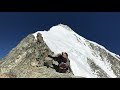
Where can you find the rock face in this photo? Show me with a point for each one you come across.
(27, 60)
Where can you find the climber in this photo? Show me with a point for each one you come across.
(63, 62)
(39, 38)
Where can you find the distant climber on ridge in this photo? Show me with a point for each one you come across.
(39, 38)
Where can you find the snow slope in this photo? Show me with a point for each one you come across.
(61, 38)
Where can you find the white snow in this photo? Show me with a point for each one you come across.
(61, 38)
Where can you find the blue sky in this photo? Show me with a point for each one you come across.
(101, 27)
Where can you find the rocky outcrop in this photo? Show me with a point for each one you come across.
(28, 59)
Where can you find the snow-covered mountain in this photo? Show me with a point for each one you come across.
(87, 58)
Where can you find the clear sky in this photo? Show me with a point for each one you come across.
(101, 27)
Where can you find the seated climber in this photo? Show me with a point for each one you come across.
(63, 62)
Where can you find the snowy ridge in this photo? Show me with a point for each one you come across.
(105, 49)
(61, 38)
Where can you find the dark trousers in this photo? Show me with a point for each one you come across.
(62, 70)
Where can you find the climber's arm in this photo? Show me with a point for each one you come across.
(54, 58)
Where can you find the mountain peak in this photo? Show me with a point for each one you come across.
(58, 28)
(61, 27)
(87, 58)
